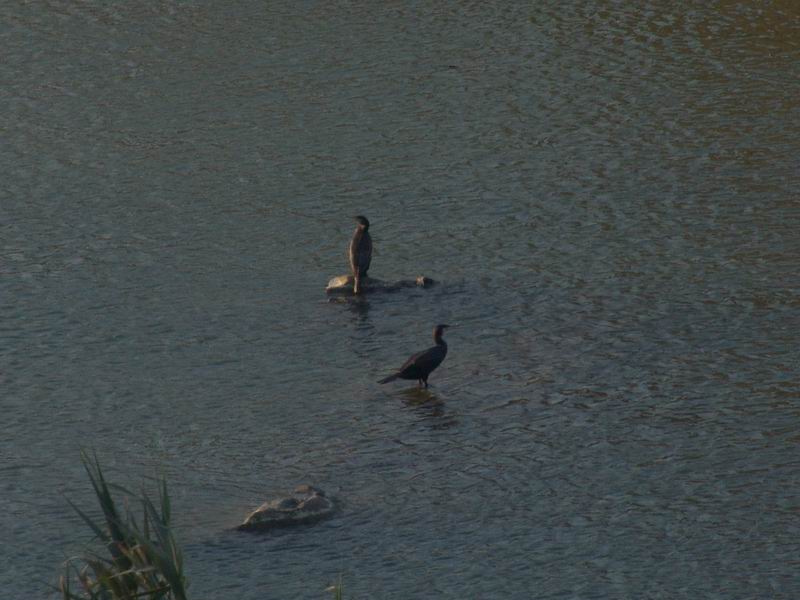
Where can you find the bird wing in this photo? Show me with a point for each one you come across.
(359, 252)
(425, 361)
(365, 252)
(352, 250)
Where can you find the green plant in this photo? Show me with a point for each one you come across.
(337, 589)
(143, 563)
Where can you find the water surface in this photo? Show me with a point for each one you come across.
(607, 195)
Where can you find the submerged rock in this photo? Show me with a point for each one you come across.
(307, 505)
(344, 284)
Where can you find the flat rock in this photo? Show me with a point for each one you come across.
(306, 505)
(343, 284)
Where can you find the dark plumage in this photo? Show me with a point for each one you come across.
(360, 252)
(420, 365)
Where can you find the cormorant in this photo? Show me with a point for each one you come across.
(360, 252)
(420, 365)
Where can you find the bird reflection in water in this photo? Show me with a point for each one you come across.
(358, 305)
(428, 407)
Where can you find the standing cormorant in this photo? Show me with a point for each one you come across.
(420, 365)
(360, 252)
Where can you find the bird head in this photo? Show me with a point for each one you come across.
(362, 221)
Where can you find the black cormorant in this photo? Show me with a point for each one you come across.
(422, 364)
(360, 252)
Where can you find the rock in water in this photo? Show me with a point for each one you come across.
(307, 505)
(344, 284)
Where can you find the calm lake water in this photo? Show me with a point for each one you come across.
(607, 194)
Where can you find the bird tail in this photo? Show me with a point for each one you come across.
(388, 379)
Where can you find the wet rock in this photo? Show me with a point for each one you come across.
(343, 284)
(307, 505)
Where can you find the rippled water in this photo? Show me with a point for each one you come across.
(606, 192)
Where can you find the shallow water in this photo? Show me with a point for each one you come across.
(607, 195)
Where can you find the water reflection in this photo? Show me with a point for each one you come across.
(358, 306)
(428, 406)
(360, 330)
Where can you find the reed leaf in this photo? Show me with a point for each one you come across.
(145, 561)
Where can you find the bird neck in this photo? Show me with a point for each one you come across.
(437, 338)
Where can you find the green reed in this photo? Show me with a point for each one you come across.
(337, 589)
(143, 560)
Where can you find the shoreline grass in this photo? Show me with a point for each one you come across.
(143, 561)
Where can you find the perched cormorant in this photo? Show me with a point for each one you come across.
(360, 252)
(422, 364)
